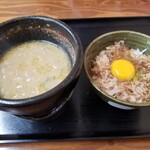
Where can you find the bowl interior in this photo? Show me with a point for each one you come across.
(132, 39)
(27, 29)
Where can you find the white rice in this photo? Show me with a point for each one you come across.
(136, 90)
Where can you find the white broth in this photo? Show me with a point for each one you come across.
(31, 69)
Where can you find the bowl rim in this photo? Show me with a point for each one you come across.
(75, 68)
(111, 98)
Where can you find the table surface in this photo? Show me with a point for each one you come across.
(63, 9)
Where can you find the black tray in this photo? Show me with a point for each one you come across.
(85, 116)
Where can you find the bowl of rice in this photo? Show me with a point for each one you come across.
(117, 65)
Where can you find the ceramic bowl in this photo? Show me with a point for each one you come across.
(133, 40)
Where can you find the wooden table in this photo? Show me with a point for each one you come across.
(77, 9)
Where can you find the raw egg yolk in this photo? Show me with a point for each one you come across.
(123, 69)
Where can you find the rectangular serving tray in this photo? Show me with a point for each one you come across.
(86, 116)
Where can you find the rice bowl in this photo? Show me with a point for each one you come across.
(99, 56)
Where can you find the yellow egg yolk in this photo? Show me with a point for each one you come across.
(123, 69)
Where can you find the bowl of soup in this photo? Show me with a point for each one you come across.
(40, 63)
(117, 65)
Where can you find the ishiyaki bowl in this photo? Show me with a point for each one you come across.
(36, 29)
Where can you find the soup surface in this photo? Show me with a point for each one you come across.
(32, 68)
